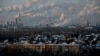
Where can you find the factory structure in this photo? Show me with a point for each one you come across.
(17, 23)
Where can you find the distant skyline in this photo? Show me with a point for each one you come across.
(59, 12)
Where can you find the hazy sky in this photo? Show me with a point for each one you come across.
(6, 3)
(60, 12)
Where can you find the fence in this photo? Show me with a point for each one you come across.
(54, 48)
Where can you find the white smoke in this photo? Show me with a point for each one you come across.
(62, 12)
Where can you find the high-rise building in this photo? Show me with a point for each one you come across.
(14, 24)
